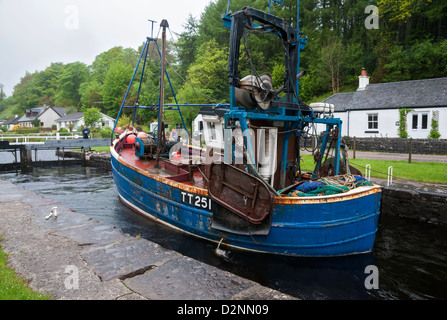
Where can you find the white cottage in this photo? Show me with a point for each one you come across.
(77, 120)
(373, 110)
(50, 115)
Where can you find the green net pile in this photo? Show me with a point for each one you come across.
(334, 185)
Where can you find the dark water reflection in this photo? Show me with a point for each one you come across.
(410, 256)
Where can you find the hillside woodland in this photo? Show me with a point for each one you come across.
(408, 42)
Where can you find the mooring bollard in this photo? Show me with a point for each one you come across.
(390, 175)
(368, 172)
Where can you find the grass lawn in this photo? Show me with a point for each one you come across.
(433, 172)
(97, 149)
(100, 149)
(11, 286)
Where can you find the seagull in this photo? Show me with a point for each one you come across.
(219, 252)
(52, 212)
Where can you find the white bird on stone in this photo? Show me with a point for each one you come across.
(52, 212)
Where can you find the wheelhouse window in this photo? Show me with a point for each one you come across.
(213, 136)
(373, 121)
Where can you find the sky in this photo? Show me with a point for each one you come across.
(35, 33)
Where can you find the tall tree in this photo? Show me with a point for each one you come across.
(2, 94)
(115, 85)
(69, 82)
(187, 45)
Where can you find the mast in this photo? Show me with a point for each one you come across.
(164, 24)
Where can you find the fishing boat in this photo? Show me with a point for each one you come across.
(236, 179)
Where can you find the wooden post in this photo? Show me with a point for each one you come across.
(164, 24)
(353, 147)
(84, 160)
(26, 159)
(410, 150)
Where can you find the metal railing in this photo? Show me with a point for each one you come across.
(37, 138)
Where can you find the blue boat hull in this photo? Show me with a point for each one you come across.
(321, 226)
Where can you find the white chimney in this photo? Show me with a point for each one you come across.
(363, 80)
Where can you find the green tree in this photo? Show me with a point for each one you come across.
(92, 117)
(91, 95)
(26, 93)
(2, 94)
(205, 82)
(102, 63)
(331, 64)
(187, 45)
(69, 82)
(115, 84)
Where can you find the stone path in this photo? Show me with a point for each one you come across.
(74, 257)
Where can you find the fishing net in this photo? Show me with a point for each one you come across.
(329, 186)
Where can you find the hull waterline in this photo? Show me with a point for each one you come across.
(327, 226)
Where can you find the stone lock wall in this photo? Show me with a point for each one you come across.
(398, 145)
(419, 204)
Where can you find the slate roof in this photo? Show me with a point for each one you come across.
(78, 115)
(32, 114)
(71, 117)
(393, 95)
(11, 121)
(60, 111)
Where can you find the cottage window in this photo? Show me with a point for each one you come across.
(415, 121)
(373, 121)
(424, 121)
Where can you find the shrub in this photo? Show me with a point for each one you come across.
(106, 132)
(434, 133)
(403, 122)
(15, 127)
(26, 131)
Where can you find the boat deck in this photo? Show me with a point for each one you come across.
(169, 170)
(178, 174)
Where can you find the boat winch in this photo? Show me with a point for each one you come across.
(255, 91)
(145, 147)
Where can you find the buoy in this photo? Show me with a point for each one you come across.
(131, 139)
(176, 156)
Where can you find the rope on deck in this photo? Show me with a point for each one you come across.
(330, 186)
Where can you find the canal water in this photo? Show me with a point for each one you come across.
(410, 257)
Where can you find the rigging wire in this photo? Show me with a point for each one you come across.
(250, 60)
(196, 91)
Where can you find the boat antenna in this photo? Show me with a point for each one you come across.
(164, 24)
(152, 30)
